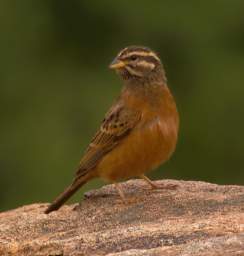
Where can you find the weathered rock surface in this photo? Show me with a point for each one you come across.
(194, 218)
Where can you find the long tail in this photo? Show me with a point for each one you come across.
(68, 192)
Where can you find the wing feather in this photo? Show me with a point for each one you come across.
(117, 124)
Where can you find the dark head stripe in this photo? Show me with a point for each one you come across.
(134, 48)
(141, 55)
(138, 51)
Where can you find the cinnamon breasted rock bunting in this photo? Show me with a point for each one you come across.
(138, 133)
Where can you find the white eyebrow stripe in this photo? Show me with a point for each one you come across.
(144, 54)
(146, 64)
(122, 51)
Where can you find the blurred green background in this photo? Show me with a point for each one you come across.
(55, 86)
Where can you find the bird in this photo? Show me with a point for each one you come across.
(138, 133)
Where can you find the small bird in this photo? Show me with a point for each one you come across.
(138, 133)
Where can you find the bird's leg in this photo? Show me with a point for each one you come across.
(120, 191)
(154, 186)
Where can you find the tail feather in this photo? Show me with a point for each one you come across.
(68, 192)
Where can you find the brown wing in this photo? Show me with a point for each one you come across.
(117, 124)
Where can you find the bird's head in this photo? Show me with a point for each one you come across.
(137, 62)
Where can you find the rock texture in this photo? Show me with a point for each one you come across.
(188, 218)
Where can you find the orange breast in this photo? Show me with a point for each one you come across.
(148, 145)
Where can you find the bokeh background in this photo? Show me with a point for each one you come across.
(55, 86)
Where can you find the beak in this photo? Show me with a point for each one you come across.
(116, 64)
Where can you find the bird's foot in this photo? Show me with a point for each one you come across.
(156, 186)
(121, 193)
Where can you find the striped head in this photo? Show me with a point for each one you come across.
(136, 62)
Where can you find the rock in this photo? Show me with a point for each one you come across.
(188, 218)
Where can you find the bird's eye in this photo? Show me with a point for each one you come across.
(133, 57)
